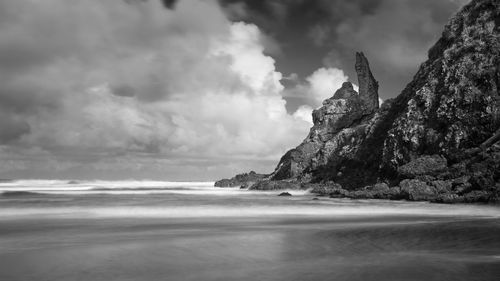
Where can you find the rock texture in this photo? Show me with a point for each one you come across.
(438, 140)
(340, 126)
(368, 86)
(241, 180)
(274, 185)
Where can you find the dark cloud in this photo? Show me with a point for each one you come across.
(12, 128)
(25, 98)
(394, 34)
(170, 4)
(123, 91)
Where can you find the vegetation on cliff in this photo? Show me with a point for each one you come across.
(438, 140)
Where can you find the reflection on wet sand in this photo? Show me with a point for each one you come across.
(251, 249)
(57, 231)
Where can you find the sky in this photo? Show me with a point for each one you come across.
(188, 89)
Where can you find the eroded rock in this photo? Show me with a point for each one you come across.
(416, 190)
(444, 127)
(426, 165)
(368, 86)
(245, 179)
(274, 185)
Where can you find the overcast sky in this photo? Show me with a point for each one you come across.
(189, 89)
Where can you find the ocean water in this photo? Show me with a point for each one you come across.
(152, 230)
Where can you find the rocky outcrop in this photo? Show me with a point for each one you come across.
(340, 126)
(241, 180)
(438, 140)
(417, 190)
(368, 86)
(274, 185)
(424, 166)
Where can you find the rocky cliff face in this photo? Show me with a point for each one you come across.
(437, 140)
(340, 126)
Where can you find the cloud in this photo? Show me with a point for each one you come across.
(294, 77)
(395, 35)
(304, 112)
(319, 34)
(12, 128)
(324, 82)
(123, 91)
(124, 87)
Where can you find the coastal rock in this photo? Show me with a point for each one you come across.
(345, 92)
(285, 194)
(474, 196)
(442, 186)
(340, 126)
(452, 106)
(274, 185)
(368, 86)
(247, 184)
(416, 190)
(377, 191)
(328, 189)
(449, 198)
(426, 165)
(442, 129)
(240, 180)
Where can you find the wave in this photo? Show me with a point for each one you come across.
(139, 188)
(259, 210)
(19, 193)
(74, 187)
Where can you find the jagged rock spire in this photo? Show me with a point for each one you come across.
(368, 86)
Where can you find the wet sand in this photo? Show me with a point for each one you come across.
(390, 248)
(155, 231)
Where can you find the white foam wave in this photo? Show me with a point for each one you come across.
(92, 187)
(324, 210)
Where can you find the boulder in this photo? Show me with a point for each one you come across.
(416, 190)
(442, 186)
(247, 184)
(328, 189)
(377, 191)
(475, 196)
(426, 165)
(449, 198)
(274, 185)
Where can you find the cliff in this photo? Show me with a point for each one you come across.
(438, 140)
(340, 126)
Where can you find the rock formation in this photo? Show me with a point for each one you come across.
(438, 140)
(241, 180)
(340, 125)
(368, 86)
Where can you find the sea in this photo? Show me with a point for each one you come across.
(155, 230)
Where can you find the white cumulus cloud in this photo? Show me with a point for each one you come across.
(107, 84)
(324, 82)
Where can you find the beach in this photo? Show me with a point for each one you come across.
(192, 231)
